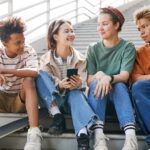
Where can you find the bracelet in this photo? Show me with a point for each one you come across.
(112, 79)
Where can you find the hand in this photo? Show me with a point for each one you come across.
(103, 87)
(75, 82)
(64, 84)
(99, 75)
(2, 80)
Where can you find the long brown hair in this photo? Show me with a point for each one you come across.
(54, 29)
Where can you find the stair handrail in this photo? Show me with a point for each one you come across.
(30, 6)
(93, 4)
(74, 10)
(62, 5)
(32, 30)
(3, 1)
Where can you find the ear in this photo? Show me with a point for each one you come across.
(117, 25)
(4, 43)
(55, 37)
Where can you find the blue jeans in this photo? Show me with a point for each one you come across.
(141, 99)
(74, 100)
(119, 96)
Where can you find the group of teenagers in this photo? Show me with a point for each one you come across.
(111, 68)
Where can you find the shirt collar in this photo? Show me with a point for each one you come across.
(59, 59)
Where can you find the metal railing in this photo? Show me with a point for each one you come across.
(74, 10)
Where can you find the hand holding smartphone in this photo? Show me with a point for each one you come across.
(71, 72)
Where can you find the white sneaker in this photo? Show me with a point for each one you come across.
(130, 143)
(34, 138)
(100, 142)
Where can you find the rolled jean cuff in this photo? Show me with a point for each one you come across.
(126, 124)
(94, 120)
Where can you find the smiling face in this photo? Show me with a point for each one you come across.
(65, 35)
(143, 26)
(106, 28)
(14, 45)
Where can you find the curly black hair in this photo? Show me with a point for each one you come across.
(9, 26)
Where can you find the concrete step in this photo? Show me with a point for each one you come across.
(6, 118)
(65, 141)
(95, 39)
(88, 36)
(94, 32)
(83, 45)
(87, 26)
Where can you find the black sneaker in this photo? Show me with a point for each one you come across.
(83, 142)
(58, 125)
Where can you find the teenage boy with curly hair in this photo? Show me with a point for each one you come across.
(18, 67)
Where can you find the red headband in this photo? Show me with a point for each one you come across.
(116, 12)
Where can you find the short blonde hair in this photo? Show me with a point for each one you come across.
(143, 12)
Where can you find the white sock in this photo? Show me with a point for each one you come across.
(130, 132)
(98, 131)
(34, 128)
(83, 130)
(54, 110)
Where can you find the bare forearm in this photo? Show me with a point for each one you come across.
(25, 72)
(122, 77)
(141, 77)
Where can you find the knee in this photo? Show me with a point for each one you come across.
(120, 86)
(93, 84)
(138, 85)
(43, 73)
(38, 80)
(28, 83)
(75, 94)
(42, 78)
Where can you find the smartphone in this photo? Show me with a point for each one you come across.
(71, 72)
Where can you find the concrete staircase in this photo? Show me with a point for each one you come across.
(86, 32)
(67, 141)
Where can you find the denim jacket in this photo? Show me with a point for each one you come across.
(48, 64)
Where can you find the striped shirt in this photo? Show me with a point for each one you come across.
(63, 64)
(28, 59)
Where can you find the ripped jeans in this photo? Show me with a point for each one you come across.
(74, 101)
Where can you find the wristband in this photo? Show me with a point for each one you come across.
(112, 79)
